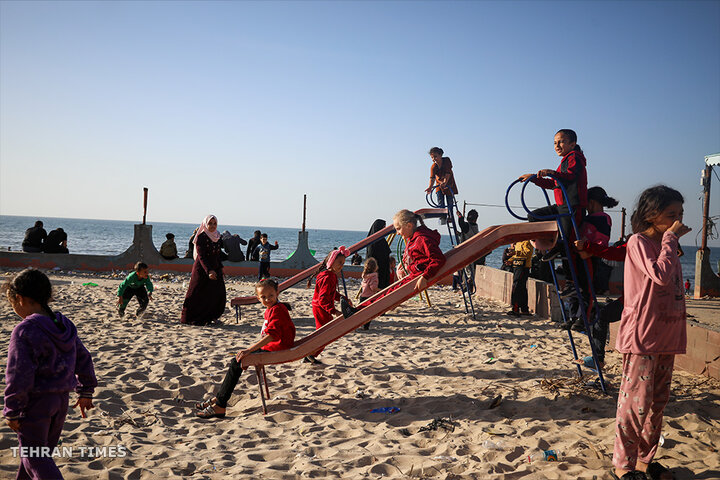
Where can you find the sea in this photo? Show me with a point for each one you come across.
(112, 237)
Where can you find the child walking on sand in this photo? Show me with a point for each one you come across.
(278, 333)
(369, 284)
(326, 292)
(263, 252)
(136, 284)
(46, 360)
(652, 331)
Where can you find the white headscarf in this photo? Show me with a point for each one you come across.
(214, 236)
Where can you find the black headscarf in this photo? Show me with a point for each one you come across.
(380, 251)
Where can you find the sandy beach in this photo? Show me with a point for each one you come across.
(506, 380)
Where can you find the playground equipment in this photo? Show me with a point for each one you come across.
(238, 302)
(585, 309)
(467, 288)
(457, 258)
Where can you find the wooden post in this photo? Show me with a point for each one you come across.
(304, 211)
(145, 192)
(464, 205)
(622, 222)
(706, 205)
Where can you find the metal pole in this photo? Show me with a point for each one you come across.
(304, 211)
(706, 206)
(145, 193)
(622, 230)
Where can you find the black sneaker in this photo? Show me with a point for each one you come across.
(120, 312)
(311, 359)
(578, 326)
(139, 312)
(568, 289)
(513, 313)
(566, 325)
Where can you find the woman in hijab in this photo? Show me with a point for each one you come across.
(205, 298)
(380, 251)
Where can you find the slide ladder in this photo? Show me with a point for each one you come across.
(585, 309)
(466, 288)
(469, 251)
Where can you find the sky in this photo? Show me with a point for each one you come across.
(240, 108)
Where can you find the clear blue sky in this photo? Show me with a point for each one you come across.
(239, 108)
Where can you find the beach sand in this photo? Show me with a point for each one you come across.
(430, 362)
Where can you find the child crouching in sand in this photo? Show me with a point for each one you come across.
(46, 360)
(136, 284)
(278, 333)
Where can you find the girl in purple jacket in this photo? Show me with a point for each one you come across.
(46, 360)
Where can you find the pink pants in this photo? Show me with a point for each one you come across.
(644, 392)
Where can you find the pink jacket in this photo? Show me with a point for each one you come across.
(653, 320)
(369, 285)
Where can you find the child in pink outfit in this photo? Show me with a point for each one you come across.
(652, 329)
(369, 285)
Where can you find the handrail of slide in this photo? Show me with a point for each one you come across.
(480, 244)
(299, 277)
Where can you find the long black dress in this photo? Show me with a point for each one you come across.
(380, 251)
(205, 298)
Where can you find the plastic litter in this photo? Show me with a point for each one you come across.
(538, 455)
(385, 410)
(533, 346)
(490, 445)
(90, 284)
(444, 458)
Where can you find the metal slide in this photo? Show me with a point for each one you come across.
(299, 277)
(467, 252)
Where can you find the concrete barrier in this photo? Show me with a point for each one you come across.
(497, 284)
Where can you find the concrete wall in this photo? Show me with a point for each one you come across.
(497, 284)
(703, 350)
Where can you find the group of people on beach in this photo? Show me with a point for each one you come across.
(652, 318)
(37, 240)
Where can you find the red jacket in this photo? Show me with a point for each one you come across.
(607, 252)
(278, 324)
(326, 292)
(422, 254)
(573, 175)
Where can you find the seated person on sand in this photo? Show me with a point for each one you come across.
(168, 250)
(231, 245)
(56, 242)
(34, 238)
(278, 333)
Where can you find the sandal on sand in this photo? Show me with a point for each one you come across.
(656, 471)
(204, 404)
(634, 475)
(210, 412)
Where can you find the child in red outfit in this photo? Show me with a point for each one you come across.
(422, 258)
(652, 329)
(571, 173)
(326, 292)
(277, 333)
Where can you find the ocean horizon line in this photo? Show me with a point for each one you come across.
(139, 222)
